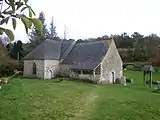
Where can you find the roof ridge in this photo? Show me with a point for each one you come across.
(60, 47)
(68, 50)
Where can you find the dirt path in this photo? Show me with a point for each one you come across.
(87, 104)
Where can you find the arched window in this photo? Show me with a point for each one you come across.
(34, 69)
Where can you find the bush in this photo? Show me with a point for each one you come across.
(7, 66)
(138, 68)
(157, 69)
(20, 66)
(129, 80)
(129, 67)
(153, 82)
(135, 65)
(155, 61)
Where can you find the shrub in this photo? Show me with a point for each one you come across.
(155, 61)
(153, 82)
(125, 69)
(139, 65)
(20, 66)
(129, 80)
(157, 69)
(7, 66)
(137, 68)
(129, 67)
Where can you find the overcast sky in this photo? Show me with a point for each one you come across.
(93, 18)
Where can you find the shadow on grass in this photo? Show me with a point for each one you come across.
(156, 91)
(57, 79)
(138, 87)
(61, 79)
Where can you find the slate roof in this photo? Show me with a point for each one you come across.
(47, 50)
(66, 47)
(51, 50)
(86, 55)
(147, 68)
(78, 55)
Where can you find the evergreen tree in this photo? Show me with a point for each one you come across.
(45, 34)
(17, 51)
(53, 33)
(35, 37)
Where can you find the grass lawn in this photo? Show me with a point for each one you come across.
(31, 99)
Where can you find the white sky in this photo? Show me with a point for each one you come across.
(94, 18)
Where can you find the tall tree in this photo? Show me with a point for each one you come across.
(17, 51)
(137, 37)
(34, 36)
(45, 34)
(53, 33)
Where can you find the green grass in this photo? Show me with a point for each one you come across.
(31, 99)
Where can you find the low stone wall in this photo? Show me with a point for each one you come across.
(93, 78)
(85, 76)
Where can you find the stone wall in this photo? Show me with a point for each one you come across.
(96, 78)
(111, 64)
(89, 77)
(86, 76)
(28, 68)
(51, 65)
(67, 72)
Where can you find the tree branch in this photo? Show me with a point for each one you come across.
(1, 7)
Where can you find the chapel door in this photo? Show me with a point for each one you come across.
(49, 74)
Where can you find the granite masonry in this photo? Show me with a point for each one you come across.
(97, 61)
